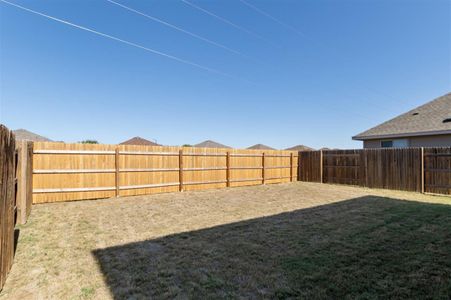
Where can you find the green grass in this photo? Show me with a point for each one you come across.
(400, 253)
(365, 248)
(87, 292)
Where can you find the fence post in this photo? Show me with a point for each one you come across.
(291, 167)
(116, 166)
(24, 180)
(16, 177)
(181, 170)
(228, 168)
(298, 167)
(422, 170)
(7, 201)
(321, 165)
(263, 168)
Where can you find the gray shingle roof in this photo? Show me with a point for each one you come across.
(22, 134)
(210, 144)
(139, 141)
(300, 148)
(423, 120)
(260, 147)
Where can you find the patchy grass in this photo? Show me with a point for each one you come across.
(296, 240)
(87, 292)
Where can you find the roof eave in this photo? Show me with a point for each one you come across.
(399, 135)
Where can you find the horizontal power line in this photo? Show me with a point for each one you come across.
(228, 22)
(120, 40)
(176, 27)
(258, 10)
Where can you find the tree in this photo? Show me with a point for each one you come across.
(187, 145)
(89, 142)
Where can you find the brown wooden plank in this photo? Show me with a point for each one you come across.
(309, 166)
(24, 180)
(181, 170)
(8, 174)
(116, 178)
(228, 168)
(437, 165)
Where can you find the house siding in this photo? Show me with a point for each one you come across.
(416, 141)
(431, 141)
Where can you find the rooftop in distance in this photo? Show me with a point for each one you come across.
(210, 144)
(25, 135)
(300, 148)
(139, 141)
(260, 147)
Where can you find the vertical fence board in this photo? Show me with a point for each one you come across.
(437, 170)
(309, 166)
(342, 167)
(7, 201)
(24, 180)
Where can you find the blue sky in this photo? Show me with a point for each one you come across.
(322, 71)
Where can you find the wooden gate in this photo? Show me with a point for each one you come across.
(344, 167)
(437, 170)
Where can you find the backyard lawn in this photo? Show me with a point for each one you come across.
(294, 240)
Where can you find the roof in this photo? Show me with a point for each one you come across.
(23, 134)
(139, 141)
(210, 144)
(300, 148)
(260, 147)
(423, 120)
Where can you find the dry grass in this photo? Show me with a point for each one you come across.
(299, 240)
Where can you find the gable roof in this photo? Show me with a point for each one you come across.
(260, 147)
(300, 148)
(426, 119)
(23, 134)
(210, 144)
(139, 141)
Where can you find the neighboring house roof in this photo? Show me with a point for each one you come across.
(23, 134)
(260, 147)
(300, 148)
(139, 141)
(428, 119)
(210, 144)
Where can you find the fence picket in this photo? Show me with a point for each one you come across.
(409, 169)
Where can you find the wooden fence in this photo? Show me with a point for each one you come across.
(409, 169)
(63, 172)
(7, 201)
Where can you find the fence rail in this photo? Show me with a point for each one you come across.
(409, 169)
(63, 172)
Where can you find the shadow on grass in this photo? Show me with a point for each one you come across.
(360, 248)
(16, 239)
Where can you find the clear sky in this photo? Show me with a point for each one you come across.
(312, 72)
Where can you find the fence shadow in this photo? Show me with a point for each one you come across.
(16, 239)
(368, 247)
